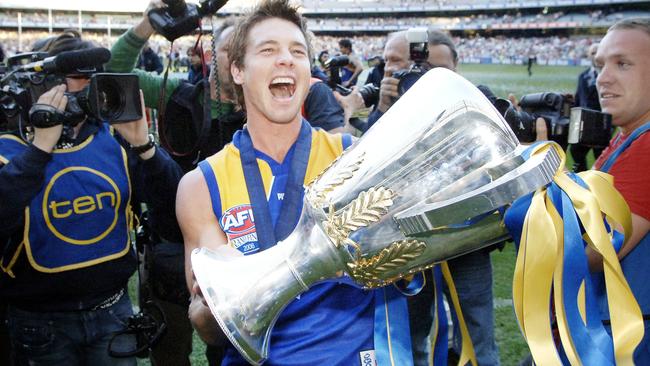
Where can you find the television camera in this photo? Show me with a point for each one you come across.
(114, 98)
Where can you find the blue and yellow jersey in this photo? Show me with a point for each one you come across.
(331, 323)
(81, 215)
(230, 201)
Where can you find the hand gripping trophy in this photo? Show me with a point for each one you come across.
(429, 182)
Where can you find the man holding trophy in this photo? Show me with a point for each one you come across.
(219, 202)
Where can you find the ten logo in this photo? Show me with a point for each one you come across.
(97, 209)
(82, 205)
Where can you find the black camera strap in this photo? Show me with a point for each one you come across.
(150, 323)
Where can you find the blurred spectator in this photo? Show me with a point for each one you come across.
(196, 69)
(586, 97)
(149, 60)
(351, 71)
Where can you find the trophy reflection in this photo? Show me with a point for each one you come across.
(427, 183)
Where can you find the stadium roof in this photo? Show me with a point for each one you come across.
(96, 5)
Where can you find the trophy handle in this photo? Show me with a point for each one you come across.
(535, 172)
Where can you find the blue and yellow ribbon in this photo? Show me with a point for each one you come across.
(439, 342)
(553, 228)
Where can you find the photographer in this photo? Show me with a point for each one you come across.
(66, 211)
(623, 64)
(185, 128)
(472, 273)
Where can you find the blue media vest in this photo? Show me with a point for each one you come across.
(80, 217)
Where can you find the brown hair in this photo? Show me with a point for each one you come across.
(69, 40)
(437, 37)
(265, 10)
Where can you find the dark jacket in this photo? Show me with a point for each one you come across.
(153, 182)
(150, 61)
(586, 93)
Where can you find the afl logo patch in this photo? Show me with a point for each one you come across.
(239, 225)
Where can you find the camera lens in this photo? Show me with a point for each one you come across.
(337, 61)
(109, 100)
(407, 80)
(369, 94)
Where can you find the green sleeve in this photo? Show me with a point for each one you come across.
(124, 55)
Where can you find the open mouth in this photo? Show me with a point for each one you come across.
(608, 96)
(282, 87)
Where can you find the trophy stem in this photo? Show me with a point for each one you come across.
(253, 290)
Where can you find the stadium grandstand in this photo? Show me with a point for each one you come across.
(556, 32)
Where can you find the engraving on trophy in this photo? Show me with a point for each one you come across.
(371, 271)
(368, 208)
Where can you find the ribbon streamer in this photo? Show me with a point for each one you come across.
(553, 228)
(439, 344)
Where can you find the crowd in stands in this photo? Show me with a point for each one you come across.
(510, 50)
(515, 20)
(475, 21)
(315, 5)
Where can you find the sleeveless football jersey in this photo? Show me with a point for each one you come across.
(331, 323)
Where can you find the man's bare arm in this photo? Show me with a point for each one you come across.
(200, 229)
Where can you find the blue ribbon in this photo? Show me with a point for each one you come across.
(267, 234)
(612, 158)
(441, 345)
(392, 333)
(592, 342)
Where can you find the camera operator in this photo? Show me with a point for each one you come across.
(587, 97)
(623, 64)
(472, 273)
(66, 211)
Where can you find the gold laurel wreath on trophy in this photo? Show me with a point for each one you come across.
(368, 208)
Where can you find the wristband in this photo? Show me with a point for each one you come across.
(144, 148)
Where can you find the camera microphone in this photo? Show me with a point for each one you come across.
(71, 61)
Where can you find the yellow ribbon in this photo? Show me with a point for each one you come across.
(539, 263)
(467, 348)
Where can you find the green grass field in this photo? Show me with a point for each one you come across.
(502, 79)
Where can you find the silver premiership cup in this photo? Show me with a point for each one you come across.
(426, 184)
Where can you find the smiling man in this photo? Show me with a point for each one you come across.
(623, 63)
(248, 196)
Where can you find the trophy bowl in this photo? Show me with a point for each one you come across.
(427, 183)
